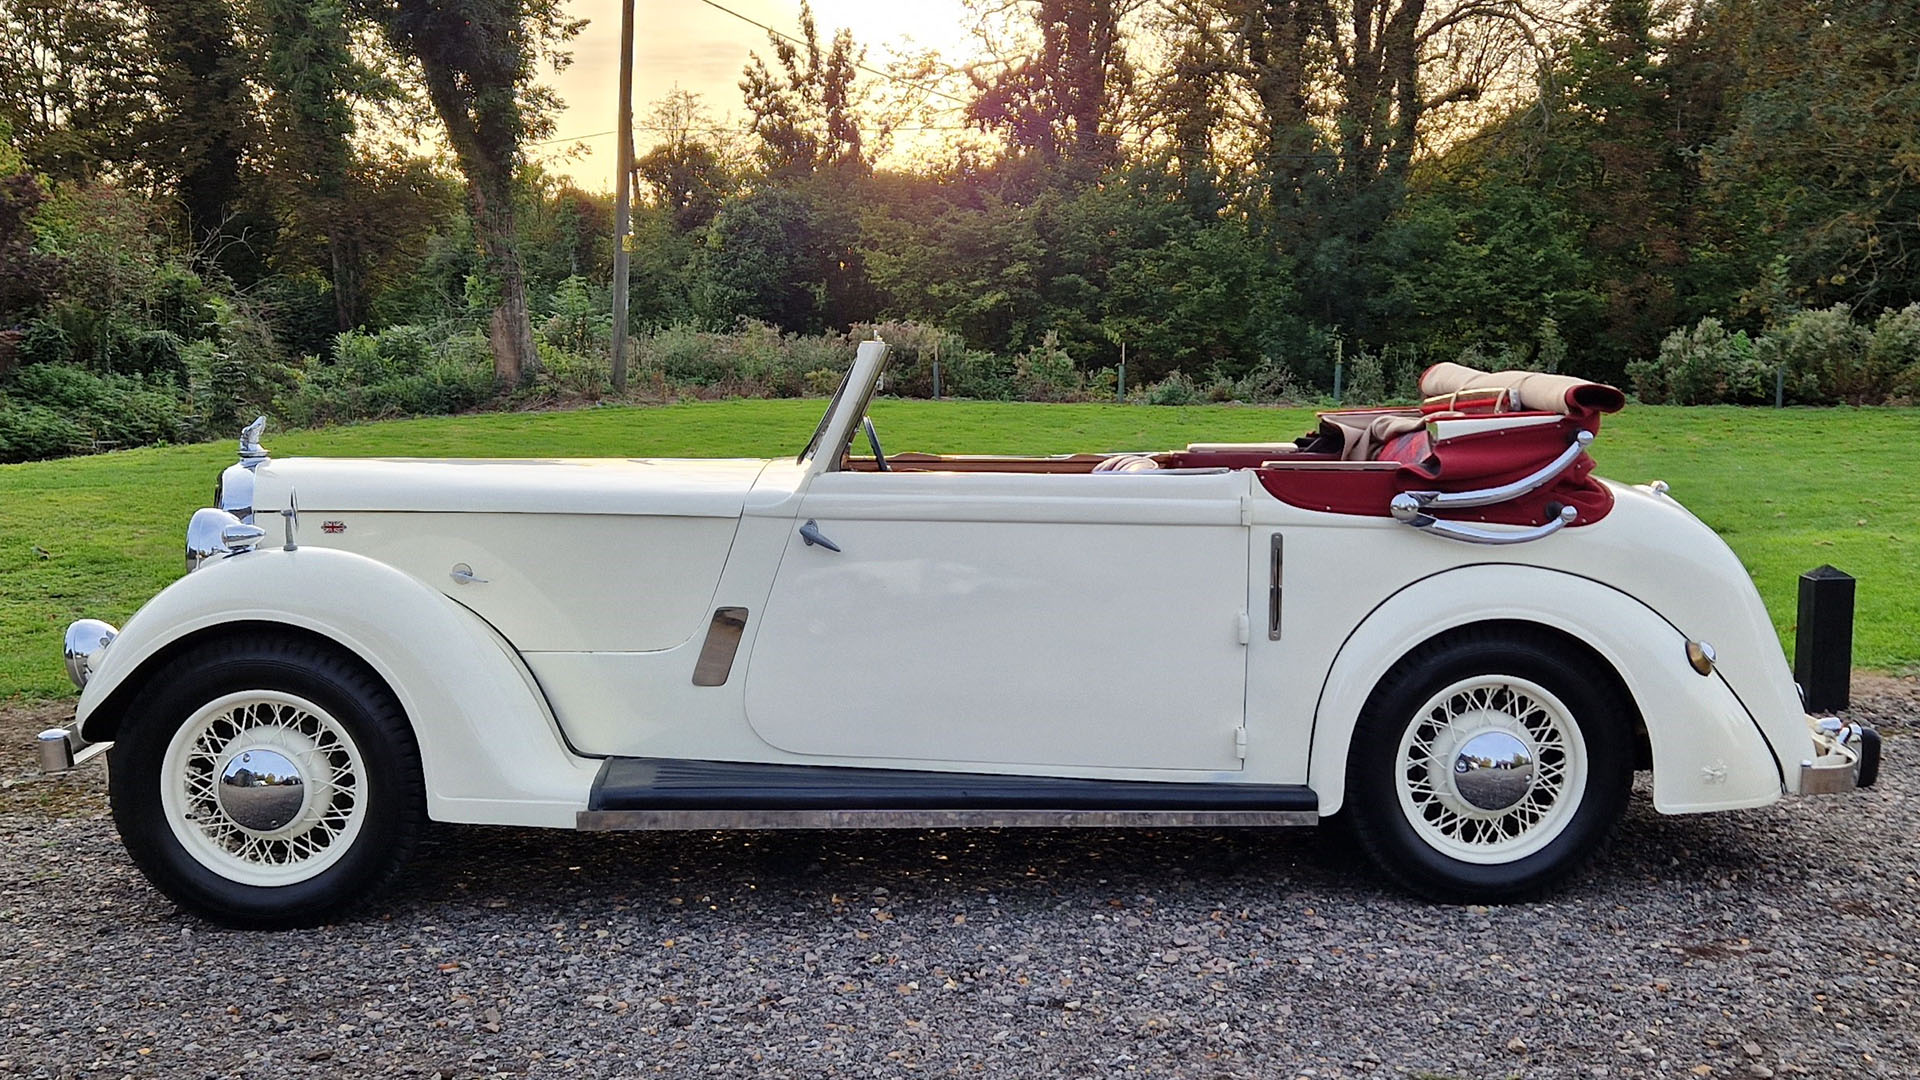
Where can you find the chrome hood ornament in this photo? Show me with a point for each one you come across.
(234, 492)
(251, 452)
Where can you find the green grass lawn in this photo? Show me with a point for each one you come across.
(1788, 489)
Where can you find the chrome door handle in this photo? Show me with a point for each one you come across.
(464, 575)
(810, 532)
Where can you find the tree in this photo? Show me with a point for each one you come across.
(315, 79)
(1819, 159)
(684, 171)
(1060, 104)
(804, 115)
(27, 275)
(1190, 101)
(1344, 93)
(206, 125)
(74, 85)
(478, 61)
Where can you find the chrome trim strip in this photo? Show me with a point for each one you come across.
(717, 652)
(647, 820)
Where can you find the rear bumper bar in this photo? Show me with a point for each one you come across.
(1845, 757)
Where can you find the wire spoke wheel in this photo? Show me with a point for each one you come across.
(264, 787)
(1491, 769)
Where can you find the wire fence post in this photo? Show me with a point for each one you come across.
(1120, 381)
(1339, 373)
(936, 368)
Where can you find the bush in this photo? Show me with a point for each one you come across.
(1366, 379)
(1893, 355)
(45, 342)
(1045, 372)
(1270, 381)
(1824, 355)
(1703, 366)
(1175, 389)
(911, 346)
(1553, 348)
(972, 373)
(104, 410)
(577, 324)
(822, 382)
(401, 371)
(574, 374)
(31, 432)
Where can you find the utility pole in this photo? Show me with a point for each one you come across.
(622, 200)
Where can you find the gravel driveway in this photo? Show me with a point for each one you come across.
(1775, 942)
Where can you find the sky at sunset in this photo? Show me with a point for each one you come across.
(688, 44)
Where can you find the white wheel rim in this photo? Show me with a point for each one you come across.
(1498, 710)
(226, 735)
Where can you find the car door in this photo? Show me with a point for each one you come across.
(1093, 620)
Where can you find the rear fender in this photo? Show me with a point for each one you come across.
(489, 746)
(1708, 754)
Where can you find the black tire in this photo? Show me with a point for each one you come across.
(393, 791)
(1383, 825)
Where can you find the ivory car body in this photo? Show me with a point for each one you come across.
(1435, 620)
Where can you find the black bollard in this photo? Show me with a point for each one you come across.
(1823, 642)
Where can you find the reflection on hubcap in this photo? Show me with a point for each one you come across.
(261, 790)
(1493, 770)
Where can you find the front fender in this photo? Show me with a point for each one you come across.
(489, 746)
(1708, 753)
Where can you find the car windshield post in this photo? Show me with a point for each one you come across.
(833, 407)
(826, 418)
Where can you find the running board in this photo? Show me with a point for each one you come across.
(661, 793)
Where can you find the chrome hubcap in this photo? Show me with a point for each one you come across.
(264, 787)
(1493, 770)
(261, 790)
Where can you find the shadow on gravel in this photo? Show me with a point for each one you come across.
(536, 872)
(544, 870)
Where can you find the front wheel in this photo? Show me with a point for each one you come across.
(1489, 767)
(266, 783)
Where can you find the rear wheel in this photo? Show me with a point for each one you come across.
(1489, 766)
(266, 783)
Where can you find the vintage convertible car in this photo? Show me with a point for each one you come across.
(1434, 622)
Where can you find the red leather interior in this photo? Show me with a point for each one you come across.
(1467, 462)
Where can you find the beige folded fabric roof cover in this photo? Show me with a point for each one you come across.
(1361, 437)
(1563, 394)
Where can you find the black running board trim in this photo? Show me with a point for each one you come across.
(650, 820)
(663, 793)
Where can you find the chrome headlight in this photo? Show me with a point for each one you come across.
(86, 640)
(215, 534)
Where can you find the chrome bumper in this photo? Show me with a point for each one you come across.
(58, 751)
(1846, 757)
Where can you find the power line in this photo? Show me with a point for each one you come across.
(887, 75)
(573, 138)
